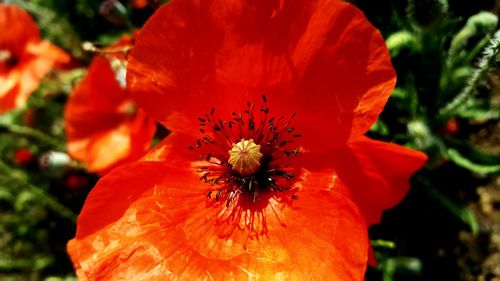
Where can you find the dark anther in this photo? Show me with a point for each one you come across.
(272, 133)
(205, 176)
(251, 124)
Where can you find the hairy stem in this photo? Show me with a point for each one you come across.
(489, 55)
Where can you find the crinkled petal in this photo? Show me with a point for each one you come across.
(321, 59)
(152, 223)
(374, 174)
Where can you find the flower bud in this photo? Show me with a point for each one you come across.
(55, 163)
(114, 12)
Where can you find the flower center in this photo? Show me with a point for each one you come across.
(245, 157)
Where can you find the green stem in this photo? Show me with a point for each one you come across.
(33, 133)
(489, 56)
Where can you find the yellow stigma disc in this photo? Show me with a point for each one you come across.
(245, 157)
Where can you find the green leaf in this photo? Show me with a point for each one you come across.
(479, 114)
(467, 163)
(399, 93)
(6, 193)
(24, 199)
(401, 265)
(478, 110)
(379, 243)
(380, 128)
(471, 158)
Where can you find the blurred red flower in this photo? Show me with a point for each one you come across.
(24, 58)
(244, 188)
(104, 127)
(450, 127)
(23, 157)
(75, 181)
(139, 4)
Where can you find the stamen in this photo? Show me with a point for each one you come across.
(246, 158)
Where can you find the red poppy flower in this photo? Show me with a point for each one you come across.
(104, 127)
(267, 174)
(139, 4)
(24, 58)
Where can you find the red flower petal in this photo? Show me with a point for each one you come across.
(321, 59)
(22, 29)
(99, 129)
(30, 59)
(373, 174)
(159, 227)
(386, 169)
(369, 172)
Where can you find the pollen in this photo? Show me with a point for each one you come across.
(245, 157)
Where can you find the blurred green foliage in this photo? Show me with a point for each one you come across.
(442, 57)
